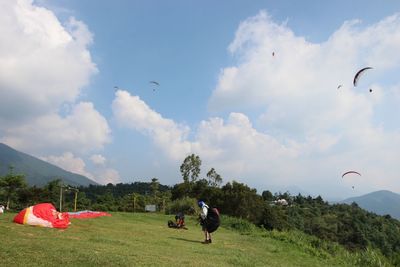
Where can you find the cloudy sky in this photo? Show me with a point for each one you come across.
(250, 87)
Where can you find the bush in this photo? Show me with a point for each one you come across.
(274, 218)
(240, 225)
(370, 257)
(186, 205)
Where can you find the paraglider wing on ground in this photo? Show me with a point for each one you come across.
(86, 214)
(44, 214)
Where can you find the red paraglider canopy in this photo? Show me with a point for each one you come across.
(44, 214)
(85, 214)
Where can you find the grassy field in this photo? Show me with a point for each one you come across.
(127, 239)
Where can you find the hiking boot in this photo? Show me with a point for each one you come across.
(206, 241)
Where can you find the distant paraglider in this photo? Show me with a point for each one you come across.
(154, 83)
(358, 75)
(349, 172)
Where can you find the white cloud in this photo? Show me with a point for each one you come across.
(134, 113)
(84, 129)
(43, 67)
(238, 150)
(69, 162)
(108, 175)
(98, 159)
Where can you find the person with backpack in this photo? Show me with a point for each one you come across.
(209, 220)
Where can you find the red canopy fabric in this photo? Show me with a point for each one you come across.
(86, 214)
(44, 214)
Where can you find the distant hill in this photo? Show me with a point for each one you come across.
(37, 172)
(380, 202)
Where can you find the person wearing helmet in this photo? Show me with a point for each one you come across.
(203, 221)
(209, 220)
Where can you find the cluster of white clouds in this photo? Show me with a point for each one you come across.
(72, 163)
(69, 162)
(308, 132)
(98, 159)
(83, 129)
(134, 113)
(44, 66)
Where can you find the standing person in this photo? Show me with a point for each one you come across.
(209, 220)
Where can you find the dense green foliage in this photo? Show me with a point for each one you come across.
(348, 225)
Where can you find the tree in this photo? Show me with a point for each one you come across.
(273, 218)
(179, 191)
(154, 186)
(190, 168)
(11, 183)
(52, 192)
(242, 201)
(200, 189)
(267, 195)
(214, 179)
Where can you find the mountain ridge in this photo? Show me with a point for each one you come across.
(382, 202)
(36, 171)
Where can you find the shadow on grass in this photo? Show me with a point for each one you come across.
(187, 240)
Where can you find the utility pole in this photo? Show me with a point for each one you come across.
(134, 202)
(76, 199)
(68, 188)
(76, 190)
(61, 196)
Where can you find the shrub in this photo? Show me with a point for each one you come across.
(186, 205)
(240, 225)
(370, 257)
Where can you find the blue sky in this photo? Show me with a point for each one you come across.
(273, 122)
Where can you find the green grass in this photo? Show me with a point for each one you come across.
(127, 239)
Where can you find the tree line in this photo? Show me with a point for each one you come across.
(348, 225)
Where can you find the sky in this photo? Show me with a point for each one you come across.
(251, 87)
